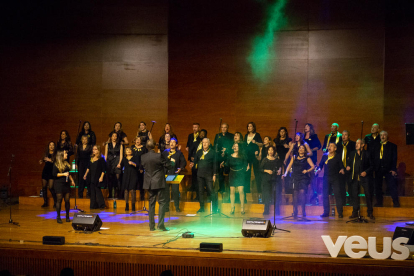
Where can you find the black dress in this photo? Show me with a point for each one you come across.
(144, 137)
(47, 172)
(237, 174)
(280, 147)
(314, 142)
(251, 149)
(300, 179)
(95, 171)
(113, 158)
(130, 176)
(60, 184)
(82, 161)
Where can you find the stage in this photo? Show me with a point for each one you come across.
(125, 246)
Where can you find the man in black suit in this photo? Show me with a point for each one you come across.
(372, 140)
(174, 154)
(205, 163)
(359, 166)
(385, 165)
(192, 141)
(331, 162)
(346, 147)
(222, 144)
(154, 181)
(334, 137)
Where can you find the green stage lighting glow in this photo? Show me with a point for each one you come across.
(262, 51)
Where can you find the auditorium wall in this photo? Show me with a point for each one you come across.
(333, 61)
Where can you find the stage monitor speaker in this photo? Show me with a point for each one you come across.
(256, 228)
(53, 240)
(409, 132)
(404, 232)
(86, 222)
(211, 247)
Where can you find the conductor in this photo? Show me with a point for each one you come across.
(154, 181)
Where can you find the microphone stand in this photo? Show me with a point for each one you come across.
(9, 174)
(77, 173)
(274, 227)
(359, 219)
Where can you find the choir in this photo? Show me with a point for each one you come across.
(278, 164)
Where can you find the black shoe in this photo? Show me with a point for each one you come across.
(163, 228)
(353, 216)
(371, 216)
(67, 219)
(340, 216)
(396, 205)
(201, 210)
(59, 220)
(378, 205)
(44, 205)
(133, 208)
(152, 229)
(127, 207)
(324, 215)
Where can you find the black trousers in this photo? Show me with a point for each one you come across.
(174, 192)
(97, 199)
(161, 193)
(391, 184)
(208, 183)
(194, 184)
(328, 184)
(271, 190)
(344, 181)
(364, 182)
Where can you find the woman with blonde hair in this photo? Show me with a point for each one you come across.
(61, 184)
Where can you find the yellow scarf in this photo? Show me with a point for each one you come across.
(344, 154)
(171, 154)
(382, 149)
(329, 138)
(202, 157)
(329, 158)
(195, 137)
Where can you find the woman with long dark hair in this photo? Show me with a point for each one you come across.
(282, 144)
(114, 153)
(271, 168)
(238, 165)
(302, 165)
(313, 141)
(167, 130)
(122, 137)
(138, 150)
(61, 177)
(64, 144)
(83, 155)
(165, 144)
(130, 163)
(144, 133)
(47, 173)
(253, 142)
(86, 130)
(294, 147)
(96, 173)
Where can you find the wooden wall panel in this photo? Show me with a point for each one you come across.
(110, 67)
(330, 66)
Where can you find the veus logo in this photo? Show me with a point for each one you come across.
(359, 243)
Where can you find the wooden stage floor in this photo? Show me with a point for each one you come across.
(125, 241)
